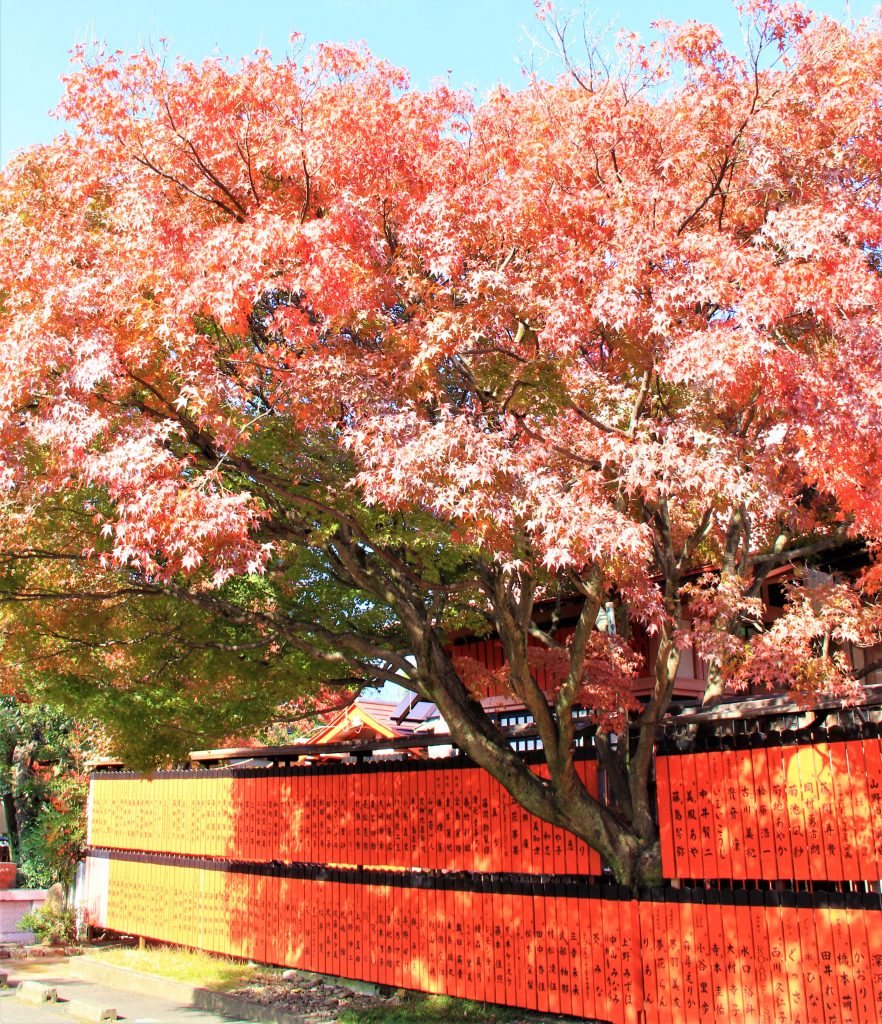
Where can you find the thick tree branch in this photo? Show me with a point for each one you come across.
(592, 589)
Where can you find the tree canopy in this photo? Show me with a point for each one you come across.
(305, 371)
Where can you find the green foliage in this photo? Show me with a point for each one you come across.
(166, 676)
(51, 847)
(415, 1009)
(43, 787)
(54, 923)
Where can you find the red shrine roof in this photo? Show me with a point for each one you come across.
(369, 718)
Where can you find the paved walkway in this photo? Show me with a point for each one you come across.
(132, 1008)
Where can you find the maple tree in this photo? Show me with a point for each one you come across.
(305, 371)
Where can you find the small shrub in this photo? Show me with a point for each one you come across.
(53, 923)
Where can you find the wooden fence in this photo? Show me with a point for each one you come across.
(445, 814)
(425, 875)
(765, 806)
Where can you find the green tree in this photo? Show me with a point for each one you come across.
(43, 786)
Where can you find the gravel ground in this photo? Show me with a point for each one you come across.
(304, 993)
(323, 1000)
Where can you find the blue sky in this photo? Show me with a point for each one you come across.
(476, 42)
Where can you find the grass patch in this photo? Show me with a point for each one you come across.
(215, 972)
(415, 1009)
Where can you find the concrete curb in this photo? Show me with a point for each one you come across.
(36, 993)
(87, 969)
(93, 1013)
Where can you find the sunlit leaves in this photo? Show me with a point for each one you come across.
(565, 329)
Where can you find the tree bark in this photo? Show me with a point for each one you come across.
(9, 808)
(629, 847)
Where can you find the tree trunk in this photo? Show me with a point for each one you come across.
(715, 686)
(9, 808)
(628, 846)
(27, 805)
(11, 823)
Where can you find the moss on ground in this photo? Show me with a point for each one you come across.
(196, 968)
(416, 1009)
